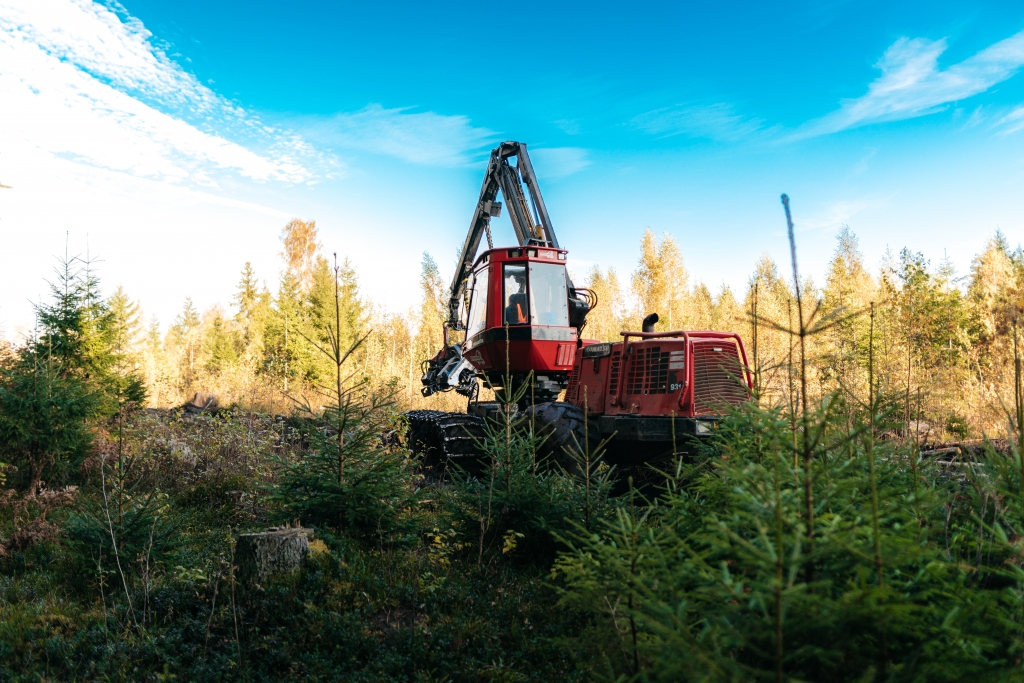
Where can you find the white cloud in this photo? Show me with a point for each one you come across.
(835, 214)
(79, 82)
(1013, 121)
(558, 162)
(715, 121)
(116, 49)
(421, 138)
(912, 84)
(107, 141)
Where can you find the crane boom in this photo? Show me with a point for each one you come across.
(526, 209)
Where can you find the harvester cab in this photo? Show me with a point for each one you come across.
(519, 319)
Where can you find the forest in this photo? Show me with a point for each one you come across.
(861, 518)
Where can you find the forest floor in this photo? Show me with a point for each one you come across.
(517, 573)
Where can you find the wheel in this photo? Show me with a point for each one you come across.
(566, 433)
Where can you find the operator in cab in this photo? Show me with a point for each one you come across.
(517, 309)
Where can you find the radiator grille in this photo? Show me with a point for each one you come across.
(613, 373)
(648, 371)
(717, 377)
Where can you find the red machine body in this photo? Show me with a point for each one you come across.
(518, 318)
(681, 374)
(523, 317)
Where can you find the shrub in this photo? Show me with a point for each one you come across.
(43, 415)
(29, 512)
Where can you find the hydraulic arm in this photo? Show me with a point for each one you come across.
(526, 210)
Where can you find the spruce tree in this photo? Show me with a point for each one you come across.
(58, 382)
(246, 301)
(188, 335)
(123, 329)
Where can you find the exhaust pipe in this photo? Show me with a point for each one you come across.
(649, 322)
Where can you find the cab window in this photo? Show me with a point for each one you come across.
(478, 304)
(517, 308)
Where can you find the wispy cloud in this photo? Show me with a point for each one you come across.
(418, 137)
(1013, 121)
(912, 84)
(558, 162)
(835, 214)
(568, 126)
(714, 121)
(85, 81)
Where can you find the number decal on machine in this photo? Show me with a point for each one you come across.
(675, 386)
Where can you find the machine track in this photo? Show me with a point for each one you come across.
(444, 438)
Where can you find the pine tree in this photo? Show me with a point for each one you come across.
(187, 332)
(726, 315)
(282, 346)
(677, 284)
(770, 296)
(246, 301)
(703, 308)
(158, 384)
(123, 329)
(993, 278)
(661, 282)
(221, 345)
(849, 290)
(433, 309)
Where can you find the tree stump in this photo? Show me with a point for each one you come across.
(277, 552)
(202, 402)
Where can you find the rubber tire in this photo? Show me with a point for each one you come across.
(563, 427)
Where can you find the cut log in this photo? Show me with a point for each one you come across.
(275, 553)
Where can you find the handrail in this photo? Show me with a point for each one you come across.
(680, 333)
(624, 365)
(686, 335)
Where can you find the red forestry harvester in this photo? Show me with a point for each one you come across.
(523, 321)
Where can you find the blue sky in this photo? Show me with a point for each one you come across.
(175, 139)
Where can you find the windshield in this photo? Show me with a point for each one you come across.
(549, 297)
